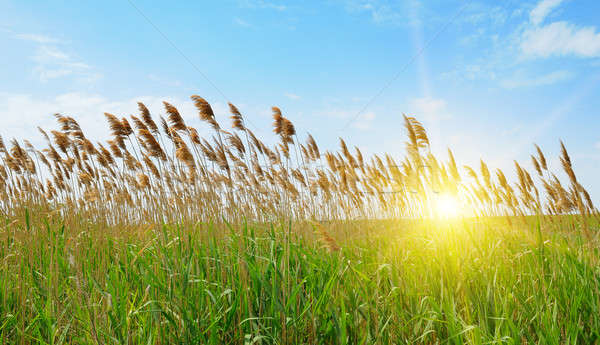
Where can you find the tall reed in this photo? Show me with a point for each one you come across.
(149, 173)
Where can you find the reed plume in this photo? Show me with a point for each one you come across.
(189, 177)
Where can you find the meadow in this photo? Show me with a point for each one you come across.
(161, 236)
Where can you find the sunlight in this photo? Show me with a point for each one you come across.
(447, 206)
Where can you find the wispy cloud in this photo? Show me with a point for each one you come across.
(529, 38)
(163, 81)
(429, 108)
(37, 38)
(383, 12)
(262, 4)
(522, 80)
(364, 121)
(22, 112)
(484, 14)
(53, 62)
(561, 39)
(542, 9)
(241, 22)
(45, 54)
(292, 96)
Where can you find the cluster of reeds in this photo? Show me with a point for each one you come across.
(165, 171)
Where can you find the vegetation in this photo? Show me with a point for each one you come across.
(147, 175)
(462, 282)
(160, 236)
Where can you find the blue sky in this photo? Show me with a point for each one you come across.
(500, 76)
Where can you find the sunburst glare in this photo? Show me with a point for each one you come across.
(447, 206)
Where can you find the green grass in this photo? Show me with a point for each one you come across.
(391, 283)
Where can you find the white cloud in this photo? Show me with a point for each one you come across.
(292, 96)
(20, 114)
(241, 22)
(429, 108)
(47, 74)
(597, 145)
(542, 9)
(364, 121)
(50, 54)
(337, 113)
(262, 4)
(558, 38)
(53, 62)
(384, 11)
(345, 116)
(37, 38)
(561, 39)
(520, 80)
(164, 81)
(480, 13)
(382, 14)
(515, 131)
(502, 62)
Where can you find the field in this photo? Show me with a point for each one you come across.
(389, 283)
(166, 238)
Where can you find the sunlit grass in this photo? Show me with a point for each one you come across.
(467, 281)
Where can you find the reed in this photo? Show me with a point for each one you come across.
(141, 175)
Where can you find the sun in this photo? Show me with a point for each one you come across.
(447, 206)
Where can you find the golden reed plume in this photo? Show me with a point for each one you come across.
(168, 172)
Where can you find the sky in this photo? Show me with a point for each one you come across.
(487, 78)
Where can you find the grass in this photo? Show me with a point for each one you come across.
(455, 282)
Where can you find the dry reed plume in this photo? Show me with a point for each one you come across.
(149, 172)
